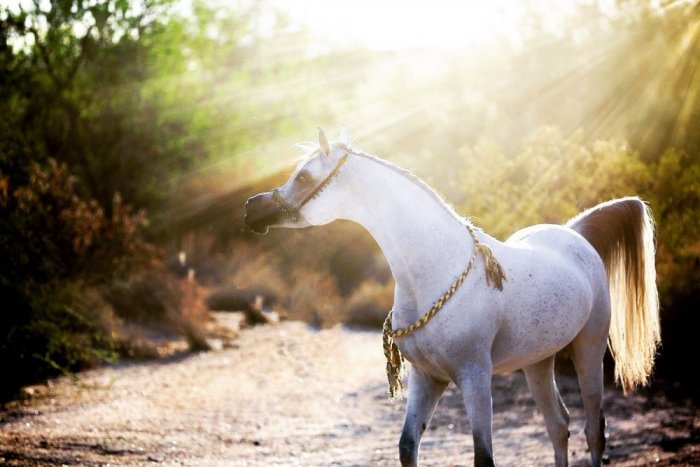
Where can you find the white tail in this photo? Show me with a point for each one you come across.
(622, 231)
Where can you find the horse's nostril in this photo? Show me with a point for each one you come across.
(260, 230)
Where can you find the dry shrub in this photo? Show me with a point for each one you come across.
(300, 287)
(234, 299)
(370, 303)
(156, 298)
(193, 316)
(254, 268)
(57, 248)
(145, 298)
(136, 346)
(314, 298)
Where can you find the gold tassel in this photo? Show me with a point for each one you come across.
(394, 361)
(495, 275)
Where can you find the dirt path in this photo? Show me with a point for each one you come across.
(290, 395)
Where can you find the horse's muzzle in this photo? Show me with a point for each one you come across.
(260, 213)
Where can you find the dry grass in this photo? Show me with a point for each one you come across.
(157, 299)
(249, 265)
(370, 303)
(306, 288)
(314, 298)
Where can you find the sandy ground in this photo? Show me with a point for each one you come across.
(287, 394)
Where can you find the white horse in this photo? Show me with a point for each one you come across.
(587, 284)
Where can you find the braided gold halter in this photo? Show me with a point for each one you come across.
(293, 212)
(394, 360)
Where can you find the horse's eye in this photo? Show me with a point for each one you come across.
(304, 178)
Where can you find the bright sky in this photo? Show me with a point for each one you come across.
(401, 24)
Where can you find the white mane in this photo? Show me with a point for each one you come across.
(311, 150)
(413, 178)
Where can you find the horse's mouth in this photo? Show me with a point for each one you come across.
(260, 213)
(258, 225)
(259, 229)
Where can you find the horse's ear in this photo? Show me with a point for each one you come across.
(344, 138)
(323, 142)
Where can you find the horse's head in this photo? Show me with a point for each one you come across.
(298, 202)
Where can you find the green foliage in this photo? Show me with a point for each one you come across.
(551, 179)
(676, 190)
(73, 72)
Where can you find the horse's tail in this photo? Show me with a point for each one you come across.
(622, 232)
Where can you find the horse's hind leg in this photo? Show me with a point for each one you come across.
(540, 379)
(423, 395)
(588, 349)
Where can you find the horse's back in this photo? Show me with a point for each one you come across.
(554, 280)
(564, 246)
(559, 241)
(545, 234)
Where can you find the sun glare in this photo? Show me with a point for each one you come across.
(394, 71)
(394, 24)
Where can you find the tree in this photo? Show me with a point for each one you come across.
(73, 72)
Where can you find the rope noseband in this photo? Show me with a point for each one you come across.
(293, 212)
(394, 360)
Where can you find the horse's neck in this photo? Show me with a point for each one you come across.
(425, 244)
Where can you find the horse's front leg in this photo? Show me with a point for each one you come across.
(423, 395)
(475, 384)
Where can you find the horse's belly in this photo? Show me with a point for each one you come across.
(539, 326)
(517, 349)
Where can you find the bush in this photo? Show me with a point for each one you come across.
(314, 298)
(232, 299)
(58, 250)
(57, 329)
(156, 298)
(370, 303)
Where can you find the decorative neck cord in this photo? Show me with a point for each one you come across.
(495, 275)
(293, 212)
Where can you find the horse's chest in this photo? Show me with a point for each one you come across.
(413, 350)
(440, 347)
(424, 354)
(417, 346)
